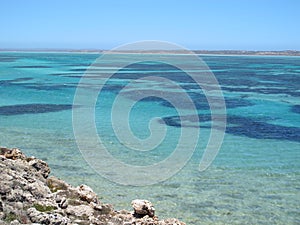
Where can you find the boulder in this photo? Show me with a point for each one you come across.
(142, 208)
(86, 194)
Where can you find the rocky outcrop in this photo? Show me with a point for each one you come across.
(29, 196)
(142, 208)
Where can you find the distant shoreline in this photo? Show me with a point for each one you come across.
(201, 52)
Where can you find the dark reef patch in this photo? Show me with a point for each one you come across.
(295, 109)
(66, 74)
(11, 82)
(49, 87)
(261, 130)
(22, 79)
(8, 59)
(78, 70)
(85, 69)
(36, 86)
(73, 76)
(5, 82)
(79, 64)
(199, 99)
(12, 110)
(242, 126)
(169, 72)
(32, 67)
(187, 120)
(284, 91)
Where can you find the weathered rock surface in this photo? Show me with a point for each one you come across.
(142, 208)
(29, 196)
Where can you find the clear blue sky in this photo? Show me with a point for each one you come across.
(202, 24)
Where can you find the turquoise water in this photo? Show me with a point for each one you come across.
(255, 178)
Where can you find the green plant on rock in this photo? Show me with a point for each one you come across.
(44, 208)
(10, 217)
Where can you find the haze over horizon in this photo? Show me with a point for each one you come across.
(269, 25)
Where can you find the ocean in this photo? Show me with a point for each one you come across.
(254, 178)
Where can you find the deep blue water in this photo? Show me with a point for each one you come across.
(255, 178)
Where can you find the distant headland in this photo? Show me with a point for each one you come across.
(200, 52)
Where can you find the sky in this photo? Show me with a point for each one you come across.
(194, 24)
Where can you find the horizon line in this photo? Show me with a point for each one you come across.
(287, 52)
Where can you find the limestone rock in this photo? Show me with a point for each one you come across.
(14, 153)
(87, 194)
(142, 208)
(29, 196)
(56, 184)
(47, 218)
(80, 211)
(40, 166)
(63, 203)
(170, 222)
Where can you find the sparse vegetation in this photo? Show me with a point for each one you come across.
(10, 217)
(44, 208)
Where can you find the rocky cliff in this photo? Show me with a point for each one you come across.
(29, 196)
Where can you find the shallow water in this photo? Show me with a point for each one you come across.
(254, 179)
